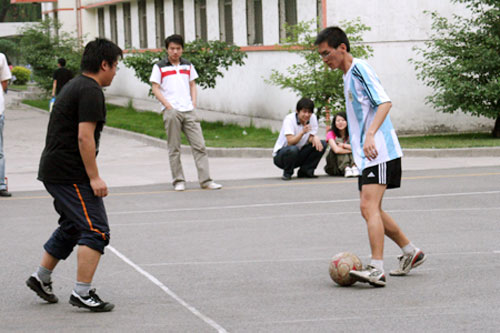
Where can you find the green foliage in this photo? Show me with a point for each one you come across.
(461, 62)
(208, 57)
(10, 49)
(22, 75)
(27, 12)
(312, 78)
(41, 49)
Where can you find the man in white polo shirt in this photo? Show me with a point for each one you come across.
(173, 81)
(5, 76)
(298, 146)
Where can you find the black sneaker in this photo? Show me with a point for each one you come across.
(286, 176)
(44, 290)
(5, 193)
(370, 275)
(91, 302)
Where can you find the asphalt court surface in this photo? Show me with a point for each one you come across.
(254, 257)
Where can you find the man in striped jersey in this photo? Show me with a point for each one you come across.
(376, 151)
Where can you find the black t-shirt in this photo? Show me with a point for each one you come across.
(62, 75)
(82, 100)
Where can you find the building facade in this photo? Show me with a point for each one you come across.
(257, 26)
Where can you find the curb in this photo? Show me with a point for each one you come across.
(267, 152)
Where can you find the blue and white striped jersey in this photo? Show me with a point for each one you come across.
(363, 94)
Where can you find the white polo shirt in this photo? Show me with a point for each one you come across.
(292, 125)
(174, 82)
(4, 75)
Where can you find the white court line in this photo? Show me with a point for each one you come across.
(270, 261)
(301, 203)
(169, 292)
(283, 216)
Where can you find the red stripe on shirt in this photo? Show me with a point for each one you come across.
(185, 71)
(167, 73)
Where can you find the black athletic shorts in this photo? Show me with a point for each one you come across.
(387, 173)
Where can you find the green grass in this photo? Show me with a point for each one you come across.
(463, 140)
(18, 87)
(150, 123)
(232, 136)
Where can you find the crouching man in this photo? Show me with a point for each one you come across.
(298, 145)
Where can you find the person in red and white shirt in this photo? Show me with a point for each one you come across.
(173, 82)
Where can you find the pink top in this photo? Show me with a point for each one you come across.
(331, 135)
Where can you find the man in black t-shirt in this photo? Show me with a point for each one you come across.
(61, 76)
(69, 172)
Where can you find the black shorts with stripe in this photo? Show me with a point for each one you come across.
(82, 219)
(387, 173)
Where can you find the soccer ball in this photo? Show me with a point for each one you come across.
(340, 266)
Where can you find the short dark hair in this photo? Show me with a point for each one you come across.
(177, 39)
(335, 129)
(61, 61)
(96, 52)
(305, 103)
(334, 36)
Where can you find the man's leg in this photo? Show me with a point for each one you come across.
(3, 183)
(191, 127)
(308, 159)
(286, 159)
(88, 259)
(172, 120)
(371, 199)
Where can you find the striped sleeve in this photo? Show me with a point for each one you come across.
(370, 83)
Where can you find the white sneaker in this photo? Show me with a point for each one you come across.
(347, 172)
(211, 186)
(180, 186)
(355, 171)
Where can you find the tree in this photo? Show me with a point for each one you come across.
(27, 12)
(41, 49)
(461, 62)
(312, 78)
(208, 57)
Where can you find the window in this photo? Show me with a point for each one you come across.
(254, 22)
(159, 23)
(112, 22)
(100, 21)
(288, 15)
(226, 21)
(179, 17)
(200, 15)
(143, 25)
(127, 25)
(319, 13)
(56, 20)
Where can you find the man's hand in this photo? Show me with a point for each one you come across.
(306, 129)
(99, 186)
(369, 148)
(316, 143)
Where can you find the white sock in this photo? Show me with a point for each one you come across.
(378, 264)
(408, 248)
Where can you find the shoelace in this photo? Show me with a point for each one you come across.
(93, 295)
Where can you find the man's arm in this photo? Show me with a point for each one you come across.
(86, 145)
(54, 85)
(159, 96)
(294, 139)
(5, 84)
(192, 89)
(369, 146)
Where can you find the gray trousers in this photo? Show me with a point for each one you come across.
(176, 122)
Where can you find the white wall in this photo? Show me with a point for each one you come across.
(396, 26)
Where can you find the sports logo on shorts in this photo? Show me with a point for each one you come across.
(370, 175)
